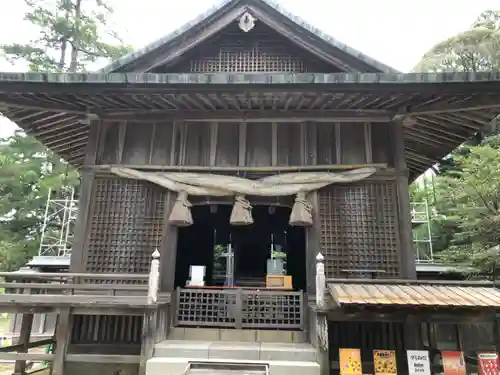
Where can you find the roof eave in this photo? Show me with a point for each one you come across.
(269, 6)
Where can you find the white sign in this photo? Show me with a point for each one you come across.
(418, 362)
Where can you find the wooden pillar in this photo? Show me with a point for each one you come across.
(63, 327)
(413, 333)
(168, 251)
(312, 245)
(433, 345)
(24, 340)
(407, 257)
(496, 333)
(78, 253)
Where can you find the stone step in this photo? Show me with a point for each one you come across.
(185, 366)
(227, 350)
(244, 335)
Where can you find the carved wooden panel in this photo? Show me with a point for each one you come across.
(161, 143)
(137, 143)
(381, 143)
(327, 143)
(252, 144)
(227, 146)
(126, 224)
(259, 144)
(261, 50)
(197, 144)
(352, 144)
(359, 228)
(108, 143)
(288, 144)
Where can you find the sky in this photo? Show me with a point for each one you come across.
(395, 32)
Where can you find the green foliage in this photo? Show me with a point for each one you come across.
(27, 172)
(465, 194)
(72, 34)
(466, 200)
(473, 50)
(473, 203)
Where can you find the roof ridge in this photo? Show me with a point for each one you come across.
(130, 57)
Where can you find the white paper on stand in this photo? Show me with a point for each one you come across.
(418, 362)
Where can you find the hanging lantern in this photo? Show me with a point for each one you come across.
(247, 22)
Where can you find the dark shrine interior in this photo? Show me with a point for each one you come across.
(205, 243)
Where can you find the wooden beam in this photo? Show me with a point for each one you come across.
(255, 116)
(407, 256)
(71, 286)
(397, 314)
(306, 43)
(32, 344)
(242, 144)
(202, 34)
(462, 283)
(465, 106)
(270, 169)
(38, 357)
(40, 106)
(63, 334)
(149, 328)
(103, 358)
(65, 276)
(24, 340)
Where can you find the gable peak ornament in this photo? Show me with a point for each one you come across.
(247, 22)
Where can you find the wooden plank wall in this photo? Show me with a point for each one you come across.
(365, 238)
(253, 144)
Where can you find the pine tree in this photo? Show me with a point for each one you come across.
(73, 34)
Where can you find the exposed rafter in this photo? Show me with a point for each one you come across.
(439, 115)
(255, 115)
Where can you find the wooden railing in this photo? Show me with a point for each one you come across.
(70, 294)
(239, 308)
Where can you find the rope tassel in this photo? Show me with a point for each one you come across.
(301, 215)
(242, 212)
(181, 216)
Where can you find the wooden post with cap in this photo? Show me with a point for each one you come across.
(321, 319)
(154, 277)
(150, 322)
(320, 281)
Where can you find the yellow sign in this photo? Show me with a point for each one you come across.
(350, 362)
(384, 362)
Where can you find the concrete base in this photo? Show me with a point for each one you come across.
(178, 366)
(243, 335)
(201, 351)
(245, 351)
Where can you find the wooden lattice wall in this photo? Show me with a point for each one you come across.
(125, 225)
(359, 228)
(261, 50)
(106, 329)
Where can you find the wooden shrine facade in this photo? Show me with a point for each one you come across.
(247, 90)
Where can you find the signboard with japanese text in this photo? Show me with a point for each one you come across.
(488, 363)
(384, 362)
(418, 362)
(350, 362)
(453, 363)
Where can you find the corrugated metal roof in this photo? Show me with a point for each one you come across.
(415, 295)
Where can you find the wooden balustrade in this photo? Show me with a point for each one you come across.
(68, 294)
(239, 308)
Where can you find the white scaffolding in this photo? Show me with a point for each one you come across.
(422, 234)
(58, 224)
